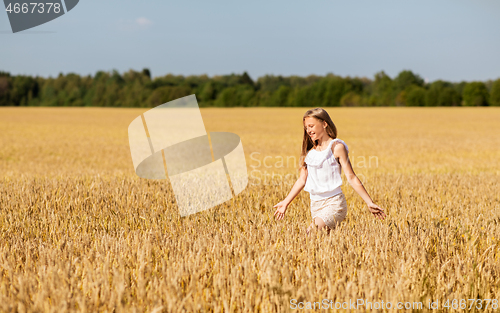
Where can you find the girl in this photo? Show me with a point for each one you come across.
(321, 161)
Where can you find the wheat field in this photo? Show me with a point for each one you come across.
(80, 232)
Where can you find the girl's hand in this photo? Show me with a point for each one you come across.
(280, 211)
(376, 210)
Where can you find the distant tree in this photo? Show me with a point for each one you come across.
(167, 93)
(116, 78)
(302, 97)
(448, 97)
(406, 79)
(24, 88)
(235, 96)
(400, 99)
(245, 79)
(228, 98)
(432, 96)
(208, 93)
(298, 81)
(475, 94)
(442, 93)
(415, 96)
(4, 88)
(167, 80)
(330, 90)
(459, 88)
(146, 72)
(270, 83)
(351, 99)
(280, 97)
(495, 93)
(381, 90)
(137, 89)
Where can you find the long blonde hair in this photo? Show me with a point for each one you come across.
(307, 143)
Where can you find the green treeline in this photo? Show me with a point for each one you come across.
(138, 89)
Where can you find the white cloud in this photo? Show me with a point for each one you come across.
(142, 21)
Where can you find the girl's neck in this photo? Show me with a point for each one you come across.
(322, 143)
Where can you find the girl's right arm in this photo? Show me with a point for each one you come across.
(297, 187)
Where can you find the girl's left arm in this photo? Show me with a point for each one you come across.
(354, 181)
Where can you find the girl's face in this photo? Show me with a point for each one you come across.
(314, 128)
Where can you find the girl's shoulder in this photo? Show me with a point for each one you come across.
(337, 140)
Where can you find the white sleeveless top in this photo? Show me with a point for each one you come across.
(323, 173)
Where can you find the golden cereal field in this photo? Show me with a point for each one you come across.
(80, 232)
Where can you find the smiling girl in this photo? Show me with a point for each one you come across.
(322, 158)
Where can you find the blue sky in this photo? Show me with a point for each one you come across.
(453, 40)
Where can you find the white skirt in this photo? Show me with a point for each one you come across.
(331, 210)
